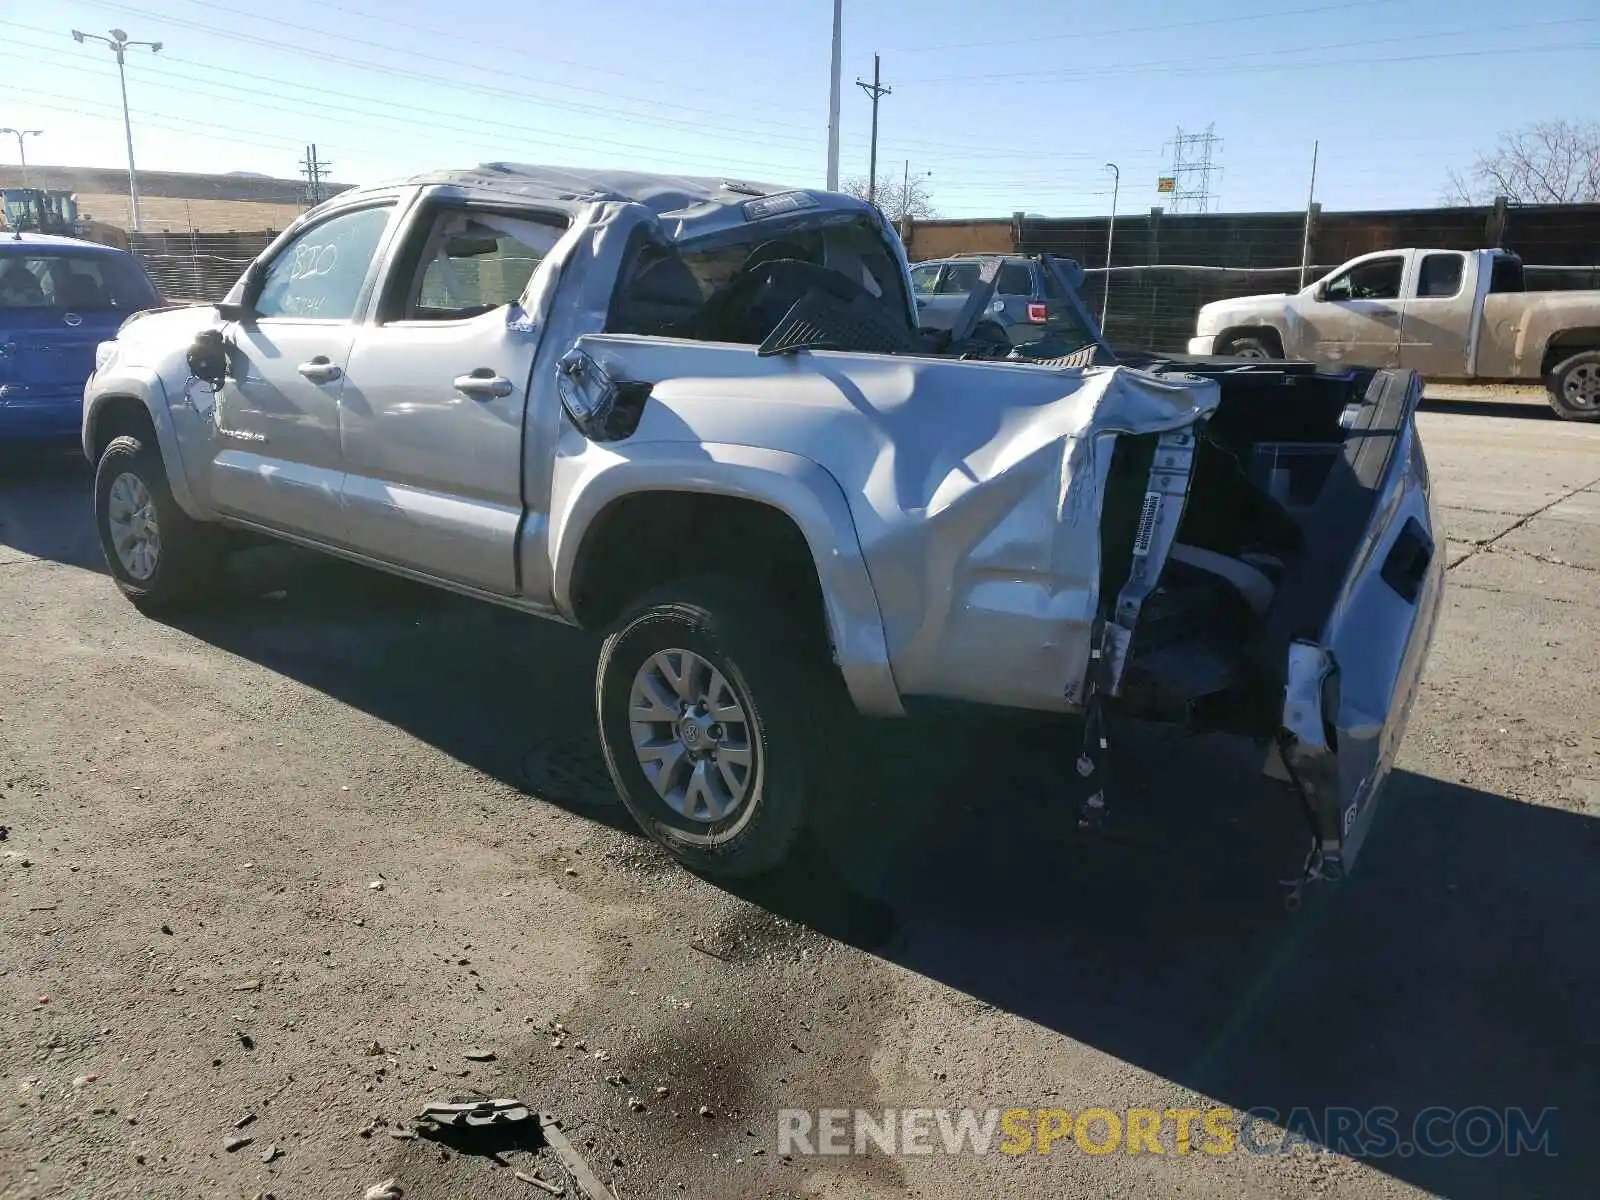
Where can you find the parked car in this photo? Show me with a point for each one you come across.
(59, 298)
(1446, 314)
(699, 417)
(1029, 303)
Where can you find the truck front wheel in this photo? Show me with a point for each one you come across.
(713, 710)
(157, 554)
(1575, 387)
(1255, 345)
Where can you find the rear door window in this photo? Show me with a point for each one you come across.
(472, 262)
(924, 277)
(1506, 275)
(959, 279)
(1440, 276)
(1015, 280)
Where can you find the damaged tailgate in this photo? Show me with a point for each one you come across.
(1350, 632)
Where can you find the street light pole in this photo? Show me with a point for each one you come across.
(22, 150)
(833, 97)
(1111, 233)
(119, 43)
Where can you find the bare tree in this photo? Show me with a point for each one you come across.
(896, 197)
(1548, 162)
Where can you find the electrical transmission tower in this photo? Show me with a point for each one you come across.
(1193, 169)
(315, 170)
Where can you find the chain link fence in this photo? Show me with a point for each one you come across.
(197, 268)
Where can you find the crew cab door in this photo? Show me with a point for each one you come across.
(1437, 315)
(276, 460)
(431, 419)
(1353, 317)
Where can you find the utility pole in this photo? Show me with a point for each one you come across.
(1311, 197)
(833, 97)
(1111, 232)
(22, 150)
(877, 89)
(119, 43)
(316, 170)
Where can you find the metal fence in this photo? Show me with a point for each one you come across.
(197, 267)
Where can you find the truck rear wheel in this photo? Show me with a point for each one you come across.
(157, 554)
(713, 709)
(1575, 387)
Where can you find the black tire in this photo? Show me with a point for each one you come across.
(782, 677)
(189, 552)
(1251, 346)
(1574, 387)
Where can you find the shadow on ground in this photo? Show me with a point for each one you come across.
(1457, 968)
(1524, 409)
(45, 497)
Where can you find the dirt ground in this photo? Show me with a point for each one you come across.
(291, 868)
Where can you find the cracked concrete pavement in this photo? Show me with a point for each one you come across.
(197, 810)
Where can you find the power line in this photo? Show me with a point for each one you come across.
(1161, 28)
(283, 87)
(1220, 65)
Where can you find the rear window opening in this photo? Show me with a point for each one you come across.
(737, 288)
(81, 283)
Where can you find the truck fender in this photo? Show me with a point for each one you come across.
(804, 491)
(143, 385)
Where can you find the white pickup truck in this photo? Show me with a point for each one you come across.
(1445, 314)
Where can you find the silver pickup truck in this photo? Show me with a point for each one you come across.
(698, 415)
(1445, 314)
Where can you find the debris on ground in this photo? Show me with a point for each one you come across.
(244, 1120)
(237, 1143)
(389, 1189)
(479, 1055)
(249, 985)
(636, 1104)
(555, 1189)
(586, 1180)
(474, 1114)
(376, 885)
(374, 1049)
(271, 1152)
(402, 1134)
(705, 1111)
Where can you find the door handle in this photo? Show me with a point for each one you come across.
(484, 384)
(320, 369)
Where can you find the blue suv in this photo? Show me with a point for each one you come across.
(59, 298)
(1028, 302)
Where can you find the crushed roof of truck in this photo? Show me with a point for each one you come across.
(569, 188)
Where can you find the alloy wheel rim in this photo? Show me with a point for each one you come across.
(692, 736)
(1582, 386)
(135, 530)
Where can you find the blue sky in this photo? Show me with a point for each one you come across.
(1011, 106)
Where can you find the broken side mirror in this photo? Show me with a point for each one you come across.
(602, 408)
(208, 358)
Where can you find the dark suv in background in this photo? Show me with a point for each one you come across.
(1028, 304)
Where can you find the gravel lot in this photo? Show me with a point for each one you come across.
(200, 814)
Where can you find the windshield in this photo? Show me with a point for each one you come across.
(68, 282)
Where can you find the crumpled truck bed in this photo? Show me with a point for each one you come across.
(975, 489)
